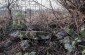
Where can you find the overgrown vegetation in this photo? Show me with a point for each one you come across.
(49, 32)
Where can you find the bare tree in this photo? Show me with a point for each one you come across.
(9, 4)
(76, 9)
